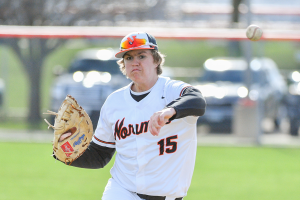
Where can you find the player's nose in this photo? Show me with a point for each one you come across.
(135, 61)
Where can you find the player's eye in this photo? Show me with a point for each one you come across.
(128, 58)
(142, 56)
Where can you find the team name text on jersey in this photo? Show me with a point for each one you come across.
(122, 132)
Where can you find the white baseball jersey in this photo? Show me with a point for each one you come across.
(154, 165)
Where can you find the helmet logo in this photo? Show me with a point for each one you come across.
(130, 41)
(134, 42)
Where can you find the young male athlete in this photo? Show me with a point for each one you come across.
(150, 124)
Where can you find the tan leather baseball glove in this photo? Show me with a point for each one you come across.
(73, 130)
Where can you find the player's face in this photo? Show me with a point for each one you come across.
(140, 66)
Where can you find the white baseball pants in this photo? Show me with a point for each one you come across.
(114, 191)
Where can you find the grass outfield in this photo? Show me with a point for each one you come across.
(27, 171)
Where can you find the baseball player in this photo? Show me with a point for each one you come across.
(150, 124)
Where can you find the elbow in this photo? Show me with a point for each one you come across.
(202, 107)
(201, 112)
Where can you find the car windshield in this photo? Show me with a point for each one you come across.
(235, 76)
(85, 65)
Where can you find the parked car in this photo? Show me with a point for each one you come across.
(91, 77)
(293, 101)
(223, 85)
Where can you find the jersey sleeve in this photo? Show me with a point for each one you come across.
(94, 157)
(189, 102)
(175, 89)
(103, 134)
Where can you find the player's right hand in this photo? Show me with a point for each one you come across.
(159, 119)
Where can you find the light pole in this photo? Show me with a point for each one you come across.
(248, 53)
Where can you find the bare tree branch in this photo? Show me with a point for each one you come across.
(62, 13)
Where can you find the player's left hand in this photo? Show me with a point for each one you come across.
(159, 119)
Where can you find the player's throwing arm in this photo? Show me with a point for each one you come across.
(159, 119)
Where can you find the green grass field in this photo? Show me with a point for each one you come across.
(28, 172)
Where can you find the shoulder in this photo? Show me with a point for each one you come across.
(175, 85)
(117, 95)
(173, 88)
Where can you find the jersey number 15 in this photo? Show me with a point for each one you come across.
(167, 145)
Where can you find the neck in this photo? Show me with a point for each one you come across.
(141, 87)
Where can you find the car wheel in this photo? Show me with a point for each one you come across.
(281, 115)
(294, 126)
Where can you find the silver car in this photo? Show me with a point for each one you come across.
(91, 77)
(223, 85)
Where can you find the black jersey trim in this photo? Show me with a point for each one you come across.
(104, 141)
(138, 97)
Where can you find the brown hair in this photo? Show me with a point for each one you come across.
(157, 58)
